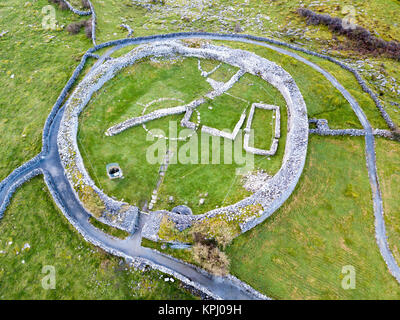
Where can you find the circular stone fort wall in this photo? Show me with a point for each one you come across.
(269, 197)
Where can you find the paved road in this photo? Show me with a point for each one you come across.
(48, 162)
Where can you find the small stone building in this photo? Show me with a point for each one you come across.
(114, 171)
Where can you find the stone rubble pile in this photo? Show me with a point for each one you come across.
(254, 181)
(162, 171)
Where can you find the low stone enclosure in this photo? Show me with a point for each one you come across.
(219, 89)
(277, 135)
(266, 200)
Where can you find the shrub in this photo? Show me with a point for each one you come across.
(350, 193)
(61, 4)
(86, 4)
(216, 229)
(211, 258)
(396, 134)
(238, 28)
(75, 27)
(365, 42)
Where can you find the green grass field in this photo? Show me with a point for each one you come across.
(388, 163)
(298, 253)
(327, 223)
(82, 271)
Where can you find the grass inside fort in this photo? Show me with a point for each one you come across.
(191, 173)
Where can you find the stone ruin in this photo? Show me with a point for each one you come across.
(273, 192)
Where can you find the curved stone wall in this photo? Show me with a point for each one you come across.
(275, 191)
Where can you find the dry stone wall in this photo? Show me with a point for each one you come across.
(274, 192)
